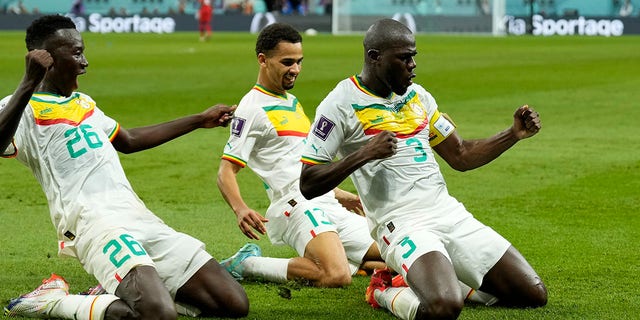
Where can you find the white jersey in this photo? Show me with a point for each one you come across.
(66, 142)
(267, 133)
(408, 184)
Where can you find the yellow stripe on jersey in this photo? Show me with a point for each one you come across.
(289, 120)
(71, 111)
(406, 118)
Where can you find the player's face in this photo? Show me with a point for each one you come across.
(282, 66)
(397, 65)
(67, 49)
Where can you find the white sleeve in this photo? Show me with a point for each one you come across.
(327, 133)
(11, 149)
(245, 129)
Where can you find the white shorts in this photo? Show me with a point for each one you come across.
(110, 248)
(472, 247)
(295, 221)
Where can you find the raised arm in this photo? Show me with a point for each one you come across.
(36, 64)
(138, 139)
(316, 180)
(248, 219)
(465, 155)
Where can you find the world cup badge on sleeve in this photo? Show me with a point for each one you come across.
(323, 128)
(236, 126)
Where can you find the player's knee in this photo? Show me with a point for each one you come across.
(234, 304)
(145, 311)
(158, 310)
(441, 308)
(537, 295)
(335, 279)
(237, 310)
(237, 306)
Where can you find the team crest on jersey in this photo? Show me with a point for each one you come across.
(323, 128)
(237, 125)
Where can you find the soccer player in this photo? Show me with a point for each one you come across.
(70, 145)
(205, 12)
(267, 134)
(384, 130)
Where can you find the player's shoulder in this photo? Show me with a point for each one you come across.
(344, 88)
(419, 89)
(4, 101)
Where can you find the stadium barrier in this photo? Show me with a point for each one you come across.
(514, 25)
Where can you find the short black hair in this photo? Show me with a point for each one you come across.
(42, 28)
(273, 34)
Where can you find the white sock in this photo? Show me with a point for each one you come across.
(271, 269)
(401, 301)
(473, 295)
(82, 307)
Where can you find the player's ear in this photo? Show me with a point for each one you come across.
(373, 54)
(262, 58)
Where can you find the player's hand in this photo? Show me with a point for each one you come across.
(37, 62)
(218, 115)
(250, 220)
(349, 200)
(526, 122)
(353, 205)
(383, 145)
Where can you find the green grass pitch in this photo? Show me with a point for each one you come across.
(567, 198)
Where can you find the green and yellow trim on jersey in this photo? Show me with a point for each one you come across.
(47, 110)
(406, 118)
(268, 92)
(234, 159)
(114, 132)
(358, 83)
(312, 161)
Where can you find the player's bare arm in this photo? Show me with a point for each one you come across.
(36, 64)
(463, 155)
(248, 219)
(317, 180)
(138, 139)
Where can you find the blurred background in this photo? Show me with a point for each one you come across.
(563, 17)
